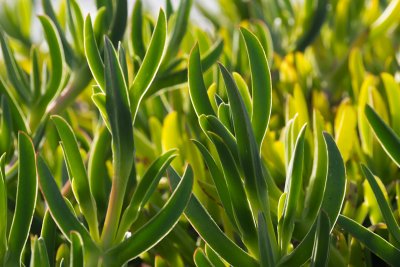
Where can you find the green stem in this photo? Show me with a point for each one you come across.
(115, 203)
(80, 81)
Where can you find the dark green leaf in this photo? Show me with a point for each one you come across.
(15, 73)
(261, 85)
(144, 190)
(293, 186)
(372, 241)
(180, 26)
(150, 65)
(336, 182)
(320, 254)
(26, 198)
(61, 213)
(76, 258)
(386, 137)
(266, 253)
(387, 213)
(39, 256)
(200, 259)
(93, 55)
(210, 232)
(156, 228)
(241, 209)
(197, 88)
(137, 30)
(77, 173)
(219, 180)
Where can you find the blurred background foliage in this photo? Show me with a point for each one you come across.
(328, 60)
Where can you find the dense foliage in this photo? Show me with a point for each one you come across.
(271, 137)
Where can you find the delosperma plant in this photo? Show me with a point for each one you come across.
(232, 133)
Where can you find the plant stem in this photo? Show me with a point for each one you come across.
(81, 79)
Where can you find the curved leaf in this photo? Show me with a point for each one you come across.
(320, 254)
(385, 135)
(293, 186)
(26, 199)
(206, 227)
(260, 85)
(77, 173)
(200, 259)
(92, 53)
(56, 57)
(150, 65)
(336, 182)
(241, 209)
(197, 88)
(155, 229)
(144, 190)
(372, 241)
(61, 213)
(387, 213)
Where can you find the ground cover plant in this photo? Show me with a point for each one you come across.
(241, 133)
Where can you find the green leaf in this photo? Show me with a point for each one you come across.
(117, 107)
(320, 254)
(212, 124)
(224, 115)
(387, 138)
(156, 228)
(57, 61)
(49, 235)
(336, 182)
(35, 78)
(200, 259)
(68, 51)
(75, 24)
(218, 179)
(3, 208)
(261, 85)
(19, 121)
(387, 213)
(244, 92)
(119, 20)
(39, 256)
(206, 227)
(213, 257)
(26, 199)
(372, 241)
(241, 209)
(249, 156)
(246, 143)
(179, 31)
(61, 213)
(265, 251)
(302, 253)
(150, 65)
(318, 18)
(76, 258)
(144, 190)
(92, 53)
(137, 30)
(197, 88)
(316, 187)
(15, 73)
(179, 77)
(97, 169)
(293, 186)
(77, 173)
